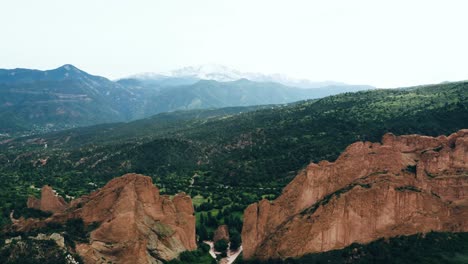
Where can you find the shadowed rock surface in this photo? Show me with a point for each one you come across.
(49, 201)
(221, 233)
(404, 185)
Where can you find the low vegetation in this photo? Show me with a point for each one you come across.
(421, 248)
(199, 256)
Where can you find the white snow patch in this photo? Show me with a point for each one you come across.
(223, 73)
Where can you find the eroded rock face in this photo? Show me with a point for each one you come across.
(49, 201)
(136, 223)
(402, 186)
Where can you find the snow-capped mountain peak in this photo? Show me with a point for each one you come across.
(215, 72)
(223, 73)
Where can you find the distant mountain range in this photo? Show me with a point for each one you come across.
(223, 73)
(34, 101)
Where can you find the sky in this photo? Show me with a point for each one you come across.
(382, 43)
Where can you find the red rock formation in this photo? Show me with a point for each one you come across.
(406, 185)
(136, 223)
(49, 202)
(221, 233)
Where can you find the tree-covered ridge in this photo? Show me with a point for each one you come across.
(268, 144)
(142, 130)
(230, 160)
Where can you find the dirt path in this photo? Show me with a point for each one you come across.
(231, 255)
(192, 180)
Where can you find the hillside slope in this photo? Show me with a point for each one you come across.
(34, 102)
(233, 160)
(38, 101)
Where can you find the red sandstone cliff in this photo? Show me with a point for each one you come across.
(404, 185)
(136, 223)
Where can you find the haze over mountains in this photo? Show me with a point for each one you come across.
(223, 73)
(33, 101)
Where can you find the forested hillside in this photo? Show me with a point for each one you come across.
(36, 102)
(228, 161)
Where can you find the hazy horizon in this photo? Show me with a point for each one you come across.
(384, 44)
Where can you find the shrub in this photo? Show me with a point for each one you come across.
(221, 245)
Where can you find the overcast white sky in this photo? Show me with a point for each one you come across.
(382, 43)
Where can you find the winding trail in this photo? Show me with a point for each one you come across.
(231, 255)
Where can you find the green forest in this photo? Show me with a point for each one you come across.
(225, 159)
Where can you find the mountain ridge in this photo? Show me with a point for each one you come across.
(34, 101)
(66, 71)
(223, 73)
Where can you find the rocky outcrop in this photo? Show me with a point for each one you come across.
(49, 201)
(221, 233)
(135, 223)
(404, 185)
